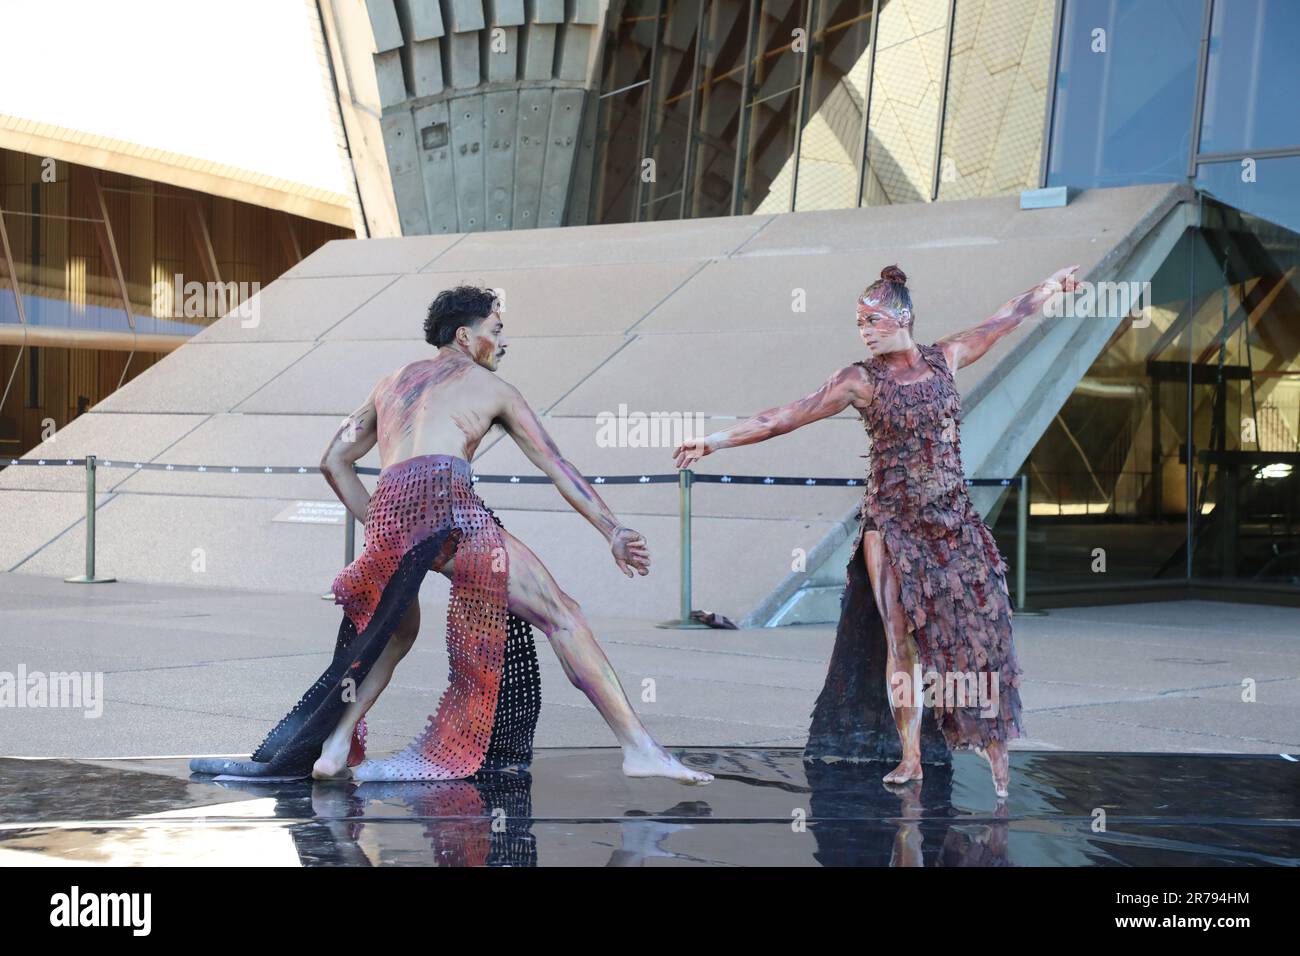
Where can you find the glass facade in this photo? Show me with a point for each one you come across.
(1114, 494)
(1251, 77)
(89, 262)
(1134, 100)
(998, 77)
(1125, 92)
(731, 107)
(1176, 456)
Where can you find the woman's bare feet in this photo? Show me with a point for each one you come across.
(654, 761)
(909, 769)
(999, 764)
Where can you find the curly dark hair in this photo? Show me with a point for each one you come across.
(463, 305)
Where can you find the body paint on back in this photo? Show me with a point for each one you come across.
(402, 399)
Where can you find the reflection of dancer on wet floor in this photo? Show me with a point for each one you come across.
(428, 418)
(938, 578)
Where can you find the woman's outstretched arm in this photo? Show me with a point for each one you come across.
(964, 347)
(845, 387)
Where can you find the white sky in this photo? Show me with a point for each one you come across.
(233, 81)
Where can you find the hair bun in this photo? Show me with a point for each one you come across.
(893, 274)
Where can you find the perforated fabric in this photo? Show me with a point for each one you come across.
(430, 492)
(519, 701)
(423, 511)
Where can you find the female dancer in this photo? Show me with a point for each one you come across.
(938, 578)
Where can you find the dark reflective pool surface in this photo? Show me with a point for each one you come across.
(574, 808)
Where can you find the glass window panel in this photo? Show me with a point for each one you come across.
(1247, 403)
(663, 197)
(1125, 87)
(62, 275)
(717, 126)
(11, 405)
(8, 304)
(622, 101)
(998, 78)
(905, 92)
(1251, 79)
(1107, 472)
(773, 108)
(830, 145)
(1268, 188)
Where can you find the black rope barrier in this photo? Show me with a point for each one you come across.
(684, 479)
(648, 479)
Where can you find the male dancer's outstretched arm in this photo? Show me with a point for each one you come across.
(537, 598)
(522, 424)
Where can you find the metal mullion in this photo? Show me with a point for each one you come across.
(865, 164)
(810, 15)
(943, 100)
(742, 120)
(647, 115)
(1270, 152)
(111, 246)
(692, 116)
(1198, 105)
(1058, 25)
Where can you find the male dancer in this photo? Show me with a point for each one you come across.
(428, 419)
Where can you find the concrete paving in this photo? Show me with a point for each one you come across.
(208, 670)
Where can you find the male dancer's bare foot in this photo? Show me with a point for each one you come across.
(333, 761)
(654, 761)
(909, 769)
(998, 761)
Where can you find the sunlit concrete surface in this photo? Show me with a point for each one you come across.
(210, 670)
(693, 317)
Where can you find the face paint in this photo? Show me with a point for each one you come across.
(487, 345)
(881, 329)
(884, 313)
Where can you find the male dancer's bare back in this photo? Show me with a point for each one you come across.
(444, 405)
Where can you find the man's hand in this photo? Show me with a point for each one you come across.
(689, 452)
(630, 551)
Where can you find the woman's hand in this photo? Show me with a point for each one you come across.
(1062, 280)
(689, 452)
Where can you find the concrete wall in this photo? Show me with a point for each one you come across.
(690, 316)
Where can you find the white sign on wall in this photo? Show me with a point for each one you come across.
(313, 512)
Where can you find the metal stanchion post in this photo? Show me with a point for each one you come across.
(1022, 546)
(89, 576)
(684, 482)
(349, 545)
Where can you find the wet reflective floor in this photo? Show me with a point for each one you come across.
(573, 807)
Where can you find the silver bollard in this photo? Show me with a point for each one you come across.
(1022, 546)
(89, 576)
(684, 622)
(349, 545)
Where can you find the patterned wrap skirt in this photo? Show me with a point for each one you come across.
(424, 513)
